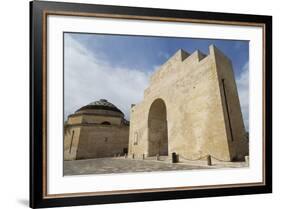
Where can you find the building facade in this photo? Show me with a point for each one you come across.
(191, 107)
(96, 130)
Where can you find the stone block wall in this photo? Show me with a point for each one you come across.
(95, 141)
(190, 88)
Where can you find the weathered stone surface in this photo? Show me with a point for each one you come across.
(191, 107)
(95, 132)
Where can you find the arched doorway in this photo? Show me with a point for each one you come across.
(157, 129)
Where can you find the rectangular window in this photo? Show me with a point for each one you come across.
(136, 138)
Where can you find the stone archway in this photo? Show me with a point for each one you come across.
(157, 129)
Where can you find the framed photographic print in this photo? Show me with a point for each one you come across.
(140, 104)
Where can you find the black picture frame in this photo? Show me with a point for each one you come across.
(38, 12)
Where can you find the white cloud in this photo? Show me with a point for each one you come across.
(88, 79)
(243, 92)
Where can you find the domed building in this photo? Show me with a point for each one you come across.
(96, 130)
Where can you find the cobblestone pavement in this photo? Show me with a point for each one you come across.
(122, 165)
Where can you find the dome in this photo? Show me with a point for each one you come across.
(101, 104)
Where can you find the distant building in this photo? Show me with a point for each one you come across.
(96, 130)
(191, 107)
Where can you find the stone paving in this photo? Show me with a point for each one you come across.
(126, 165)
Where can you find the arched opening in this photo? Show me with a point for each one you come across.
(106, 123)
(157, 129)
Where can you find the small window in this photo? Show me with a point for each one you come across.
(106, 123)
(136, 138)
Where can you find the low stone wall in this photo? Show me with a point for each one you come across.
(96, 141)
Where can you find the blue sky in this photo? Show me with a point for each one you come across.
(117, 67)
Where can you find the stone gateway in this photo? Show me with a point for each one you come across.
(190, 110)
(191, 107)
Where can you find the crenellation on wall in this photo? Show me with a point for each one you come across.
(196, 121)
(174, 67)
(169, 66)
(195, 57)
(191, 107)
